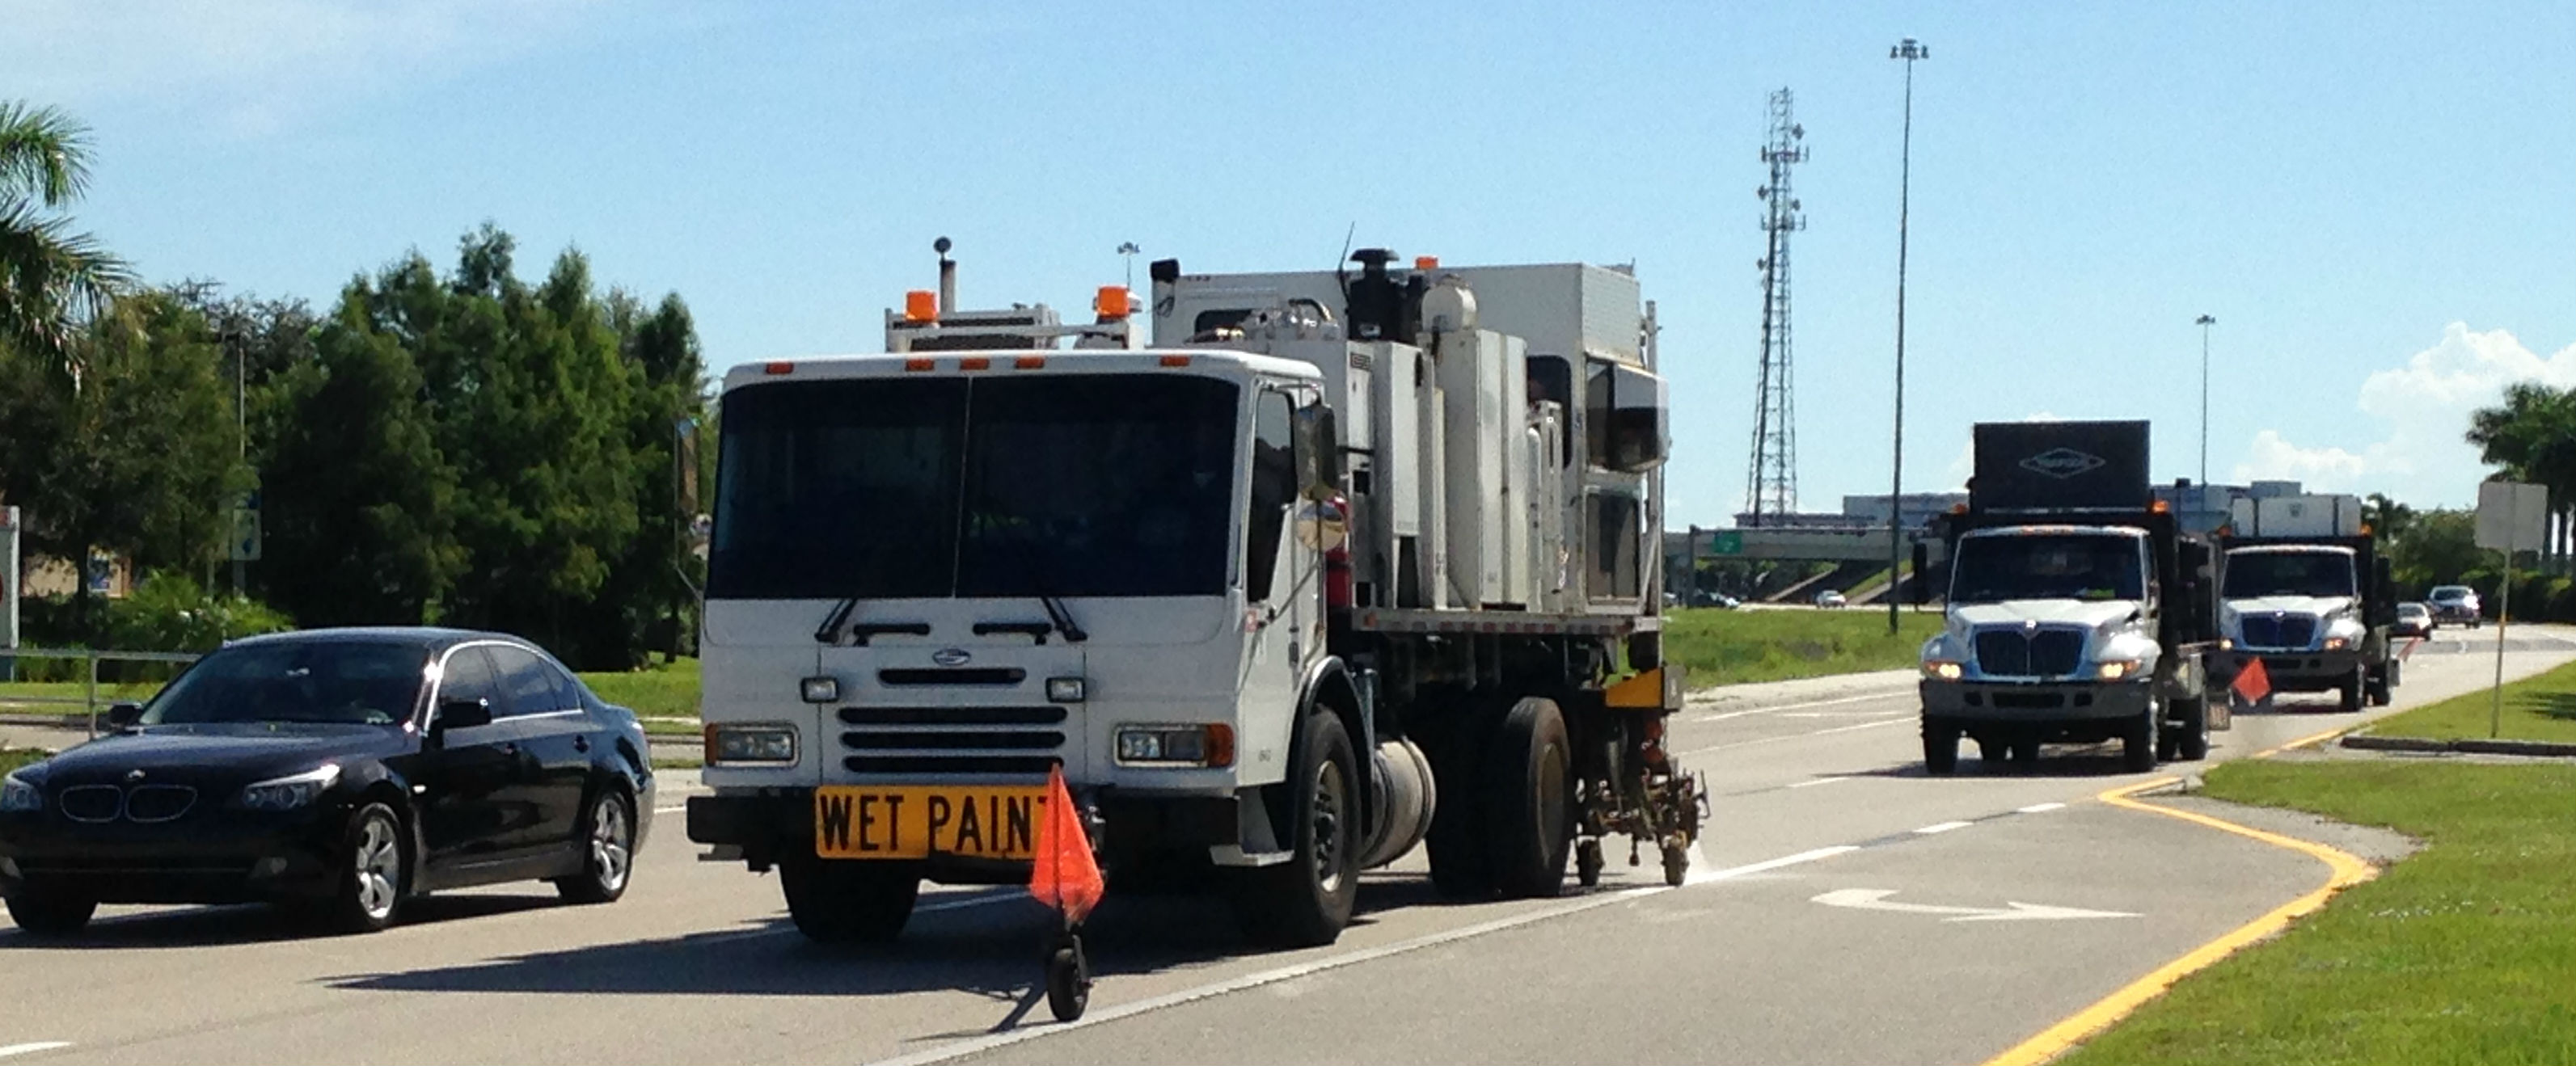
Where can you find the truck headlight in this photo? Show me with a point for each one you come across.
(1944, 670)
(289, 793)
(2337, 643)
(1211, 744)
(2117, 669)
(1065, 690)
(767, 743)
(824, 689)
(18, 795)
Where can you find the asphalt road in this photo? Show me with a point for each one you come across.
(1847, 908)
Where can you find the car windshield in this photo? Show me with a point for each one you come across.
(2048, 566)
(2413, 610)
(2251, 574)
(1093, 485)
(2451, 592)
(349, 682)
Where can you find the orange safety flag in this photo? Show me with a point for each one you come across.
(2252, 682)
(1064, 876)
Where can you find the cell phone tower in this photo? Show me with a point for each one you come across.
(1771, 480)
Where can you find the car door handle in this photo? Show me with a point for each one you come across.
(580, 743)
(509, 749)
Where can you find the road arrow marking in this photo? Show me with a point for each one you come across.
(1875, 899)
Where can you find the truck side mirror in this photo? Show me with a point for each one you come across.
(1922, 573)
(2383, 592)
(1319, 452)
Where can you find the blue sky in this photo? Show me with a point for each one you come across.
(2377, 201)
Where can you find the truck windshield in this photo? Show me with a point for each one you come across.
(2251, 574)
(2048, 566)
(1095, 485)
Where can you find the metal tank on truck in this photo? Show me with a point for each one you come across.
(1337, 564)
(2304, 590)
(2077, 609)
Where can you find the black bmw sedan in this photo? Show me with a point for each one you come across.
(336, 772)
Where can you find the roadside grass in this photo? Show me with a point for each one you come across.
(2465, 952)
(2535, 708)
(13, 758)
(658, 691)
(1720, 647)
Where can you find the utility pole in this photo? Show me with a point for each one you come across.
(1129, 250)
(1908, 50)
(2204, 324)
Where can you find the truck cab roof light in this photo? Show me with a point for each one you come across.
(1113, 303)
(918, 365)
(1426, 262)
(975, 362)
(921, 305)
(1176, 360)
(1029, 362)
(778, 368)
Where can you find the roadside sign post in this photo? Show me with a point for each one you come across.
(2510, 515)
(9, 591)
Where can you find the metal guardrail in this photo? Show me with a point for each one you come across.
(91, 658)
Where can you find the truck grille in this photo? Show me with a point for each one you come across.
(2054, 652)
(2278, 630)
(960, 741)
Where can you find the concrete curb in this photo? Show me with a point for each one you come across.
(2533, 748)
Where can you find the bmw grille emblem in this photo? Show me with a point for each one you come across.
(951, 657)
(133, 776)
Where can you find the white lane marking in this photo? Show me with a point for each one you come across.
(979, 1045)
(1723, 716)
(2039, 808)
(1875, 899)
(1942, 827)
(1798, 736)
(1817, 781)
(671, 810)
(30, 1049)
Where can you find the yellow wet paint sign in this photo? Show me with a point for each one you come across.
(917, 821)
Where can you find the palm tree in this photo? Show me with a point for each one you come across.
(51, 278)
(2532, 436)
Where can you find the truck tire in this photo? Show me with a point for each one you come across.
(2190, 729)
(838, 901)
(2138, 742)
(1305, 902)
(2351, 689)
(1460, 868)
(2382, 681)
(1645, 651)
(1992, 753)
(1528, 798)
(1940, 747)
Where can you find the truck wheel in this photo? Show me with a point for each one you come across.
(848, 901)
(1588, 862)
(2381, 681)
(1460, 868)
(2351, 690)
(1529, 816)
(1992, 751)
(2138, 742)
(2191, 729)
(1940, 747)
(1305, 902)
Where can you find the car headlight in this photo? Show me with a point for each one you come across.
(18, 795)
(1943, 669)
(289, 793)
(2117, 669)
(1211, 744)
(769, 743)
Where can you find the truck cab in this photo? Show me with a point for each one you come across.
(2304, 591)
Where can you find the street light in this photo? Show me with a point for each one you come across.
(1129, 249)
(1908, 50)
(2204, 324)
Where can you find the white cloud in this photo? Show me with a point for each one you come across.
(258, 65)
(2425, 404)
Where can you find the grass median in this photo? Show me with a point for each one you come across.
(2535, 708)
(2465, 952)
(1720, 647)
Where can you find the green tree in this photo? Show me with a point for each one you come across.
(138, 458)
(358, 503)
(2387, 518)
(52, 278)
(2441, 548)
(2532, 436)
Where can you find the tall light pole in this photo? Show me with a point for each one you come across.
(1129, 249)
(2204, 324)
(1908, 50)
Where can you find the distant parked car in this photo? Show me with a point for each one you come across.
(1831, 600)
(2413, 620)
(337, 771)
(2454, 603)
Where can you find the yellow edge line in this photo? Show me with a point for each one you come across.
(2316, 738)
(2347, 871)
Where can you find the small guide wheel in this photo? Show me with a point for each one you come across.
(1676, 863)
(1587, 862)
(1068, 982)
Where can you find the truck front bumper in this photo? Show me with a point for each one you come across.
(2068, 701)
(2301, 671)
(772, 824)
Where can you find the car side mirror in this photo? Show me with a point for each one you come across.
(463, 714)
(124, 715)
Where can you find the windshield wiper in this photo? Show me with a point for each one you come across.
(1063, 618)
(830, 633)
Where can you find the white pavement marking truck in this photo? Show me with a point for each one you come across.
(2303, 588)
(1339, 562)
(2077, 610)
